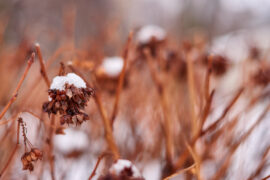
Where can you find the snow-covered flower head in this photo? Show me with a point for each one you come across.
(68, 95)
(112, 66)
(149, 32)
(59, 82)
(125, 167)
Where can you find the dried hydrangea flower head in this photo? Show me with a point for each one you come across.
(111, 66)
(150, 33)
(108, 73)
(123, 170)
(220, 64)
(29, 156)
(68, 96)
(262, 76)
(152, 37)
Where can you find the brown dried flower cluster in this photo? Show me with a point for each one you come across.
(120, 177)
(33, 155)
(29, 157)
(69, 103)
(262, 76)
(219, 64)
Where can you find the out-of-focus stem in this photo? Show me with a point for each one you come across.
(192, 96)
(13, 152)
(121, 79)
(167, 121)
(42, 65)
(15, 93)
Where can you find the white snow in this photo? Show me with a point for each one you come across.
(113, 65)
(148, 32)
(71, 141)
(121, 164)
(59, 82)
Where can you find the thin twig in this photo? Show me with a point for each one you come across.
(192, 95)
(185, 154)
(235, 146)
(97, 163)
(195, 158)
(261, 165)
(52, 118)
(121, 78)
(13, 152)
(15, 93)
(227, 109)
(267, 177)
(51, 146)
(167, 121)
(207, 78)
(180, 172)
(42, 65)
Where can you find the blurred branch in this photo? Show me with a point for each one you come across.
(15, 93)
(121, 78)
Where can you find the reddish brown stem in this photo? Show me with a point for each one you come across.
(42, 65)
(167, 121)
(207, 78)
(51, 147)
(13, 152)
(216, 123)
(121, 79)
(266, 177)
(15, 93)
(50, 138)
(261, 164)
(185, 154)
(234, 147)
(192, 94)
(97, 163)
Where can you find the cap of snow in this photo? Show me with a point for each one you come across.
(146, 33)
(59, 82)
(113, 65)
(121, 164)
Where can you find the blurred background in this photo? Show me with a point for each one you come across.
(99, 28)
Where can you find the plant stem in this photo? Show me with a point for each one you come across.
(15, 93)
(167, 121)
(42, 65)
(121, 79)
(13, 152)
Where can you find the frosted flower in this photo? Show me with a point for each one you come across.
(112, 66)
(122, 170)
(59, 82)
(147, 33)
(68, 95)
(126, 167)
